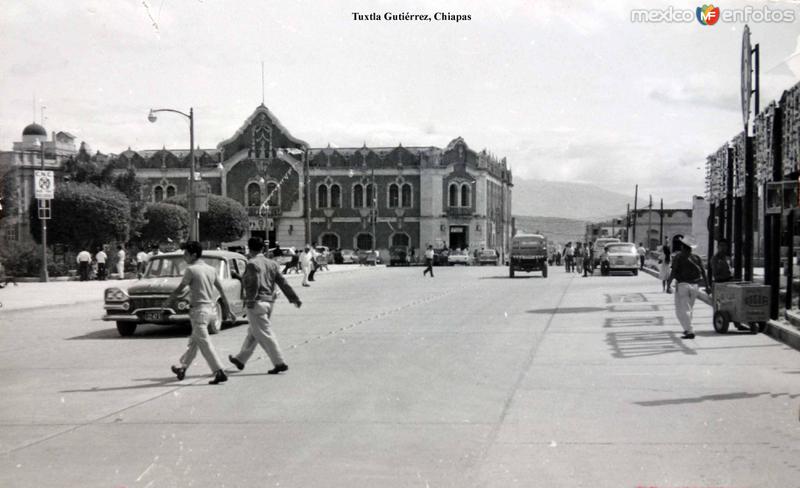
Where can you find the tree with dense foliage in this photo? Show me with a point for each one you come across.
(225, 221)
(164, 221)
(83, 216)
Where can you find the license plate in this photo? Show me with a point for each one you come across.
(152, 316)
(620, 261)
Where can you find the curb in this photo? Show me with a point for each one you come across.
(775, 329)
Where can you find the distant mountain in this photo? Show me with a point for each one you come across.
(579, 201)
(557, 230)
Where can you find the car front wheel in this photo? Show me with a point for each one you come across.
(215, 326)
(126, 329)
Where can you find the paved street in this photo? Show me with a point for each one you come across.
(468, 379)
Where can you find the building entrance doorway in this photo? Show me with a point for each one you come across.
(458, 236)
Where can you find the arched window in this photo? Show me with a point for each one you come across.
(330, 240)
(273, 195)
(358, 196)
(322, 196)
(407, 196)
(394, 195)
(454, 195)
(254, 195)
(370, 196)
(158, 193)
(465, 195)
(170, 191)
(336, 196)
(364, 241)
(400, 240)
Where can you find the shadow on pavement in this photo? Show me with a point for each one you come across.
(713, 398)
(169, 382)
(626, 345)
(505, 277)
(146, 331)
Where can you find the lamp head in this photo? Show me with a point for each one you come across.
(152, 116)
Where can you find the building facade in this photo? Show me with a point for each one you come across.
(349, 198)
(34, 152)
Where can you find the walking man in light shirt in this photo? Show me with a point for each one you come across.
(101, 257)
(428, 261)
(83, 260)
(306, 262)
(204, 284)
(260, 277)
(121, 262)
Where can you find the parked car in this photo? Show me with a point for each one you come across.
(142, 302)
(600, 249)
(528, 253)
(459, 256)
(399, 256)
(620, 256)
(369, 258)
(488, 256)
(349, 256)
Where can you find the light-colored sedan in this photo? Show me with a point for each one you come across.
(620, 256)
(143, 301)
(349, 256)
(459, 257)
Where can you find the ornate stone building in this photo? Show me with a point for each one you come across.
(342, 197)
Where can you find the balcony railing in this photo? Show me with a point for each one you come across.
(266, 212)
(459, 212)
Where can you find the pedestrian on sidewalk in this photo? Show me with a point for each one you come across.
(121, 262)
(314, 263)
(688, 271)
(665, 268)
(642, 252)
(84, 259)
(428, 261)
(141, 261)
(260, 277)
(305, 264)
(569, 257)
(101, 257)
(203, 283)
(588, 260)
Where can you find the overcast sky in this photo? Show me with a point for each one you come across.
(568, 91)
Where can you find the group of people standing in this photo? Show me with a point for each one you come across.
(306, 261)
(96, 265)
(579, 258)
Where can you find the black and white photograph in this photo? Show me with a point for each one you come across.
(396, 244)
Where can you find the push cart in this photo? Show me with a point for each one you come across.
(743, 303)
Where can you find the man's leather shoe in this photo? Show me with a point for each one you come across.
(219, 377)
(180, 372)
(278, 369)
(239, 365)
(687, 335)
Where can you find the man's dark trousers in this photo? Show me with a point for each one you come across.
(84, 270)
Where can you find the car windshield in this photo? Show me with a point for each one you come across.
(621, 248)
(529, 242)
(172, 266)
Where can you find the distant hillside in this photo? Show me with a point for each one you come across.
(578, 201)
(557, 230)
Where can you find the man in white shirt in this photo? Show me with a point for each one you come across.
(121, 262)
(141, 259)
(642, 252)
(428, 261)
(84, 259)
(314, 265)
(101, 257)
(305, 264)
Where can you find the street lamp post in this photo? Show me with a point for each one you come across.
(194, 232)
(44, 275)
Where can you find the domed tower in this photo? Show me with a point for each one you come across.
(32, 132)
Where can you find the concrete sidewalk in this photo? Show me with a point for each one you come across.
(61, 293)
(781, 329)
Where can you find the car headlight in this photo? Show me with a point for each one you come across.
(182, 305)
(115, 295)
(126, 306)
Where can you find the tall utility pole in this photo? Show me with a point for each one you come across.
(661, 223)
(649, 223)
(43, 203)
(628, 223)
(635, 206)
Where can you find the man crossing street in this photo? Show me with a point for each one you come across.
(260, 277)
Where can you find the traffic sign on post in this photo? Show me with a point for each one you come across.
(44, 184)
(201, 196)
